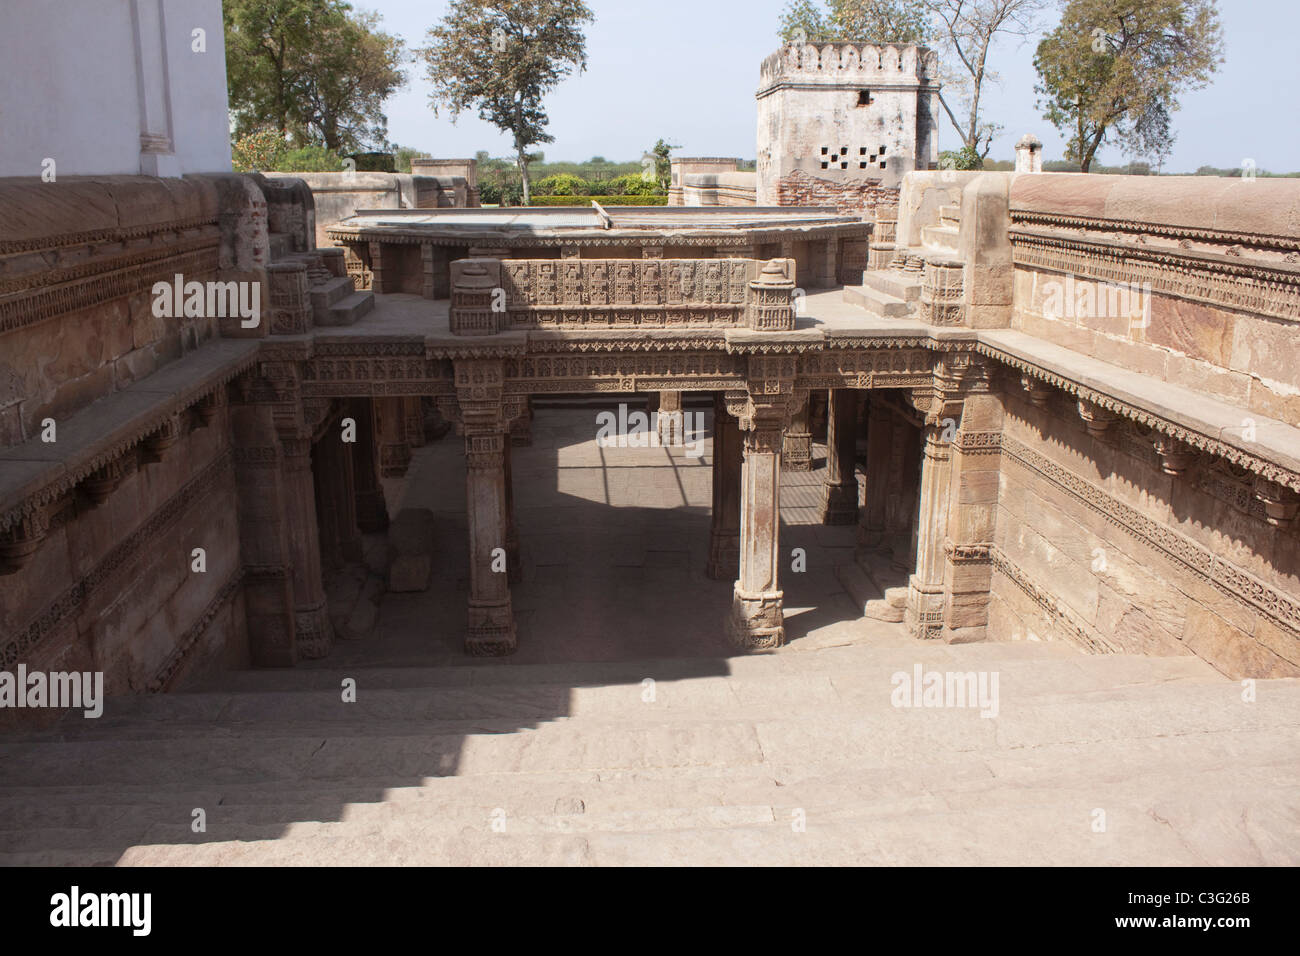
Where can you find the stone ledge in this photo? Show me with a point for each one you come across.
(34, 473)
(1218, 426)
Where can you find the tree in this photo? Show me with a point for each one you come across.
(1118, 66)
(966, 32)
(663, 163)
(863, 21)
(312, 69)
(501, 57)
(350, 69)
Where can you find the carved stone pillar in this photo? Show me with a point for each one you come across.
(724, 528)
(827, 262)
(925, 595)
(290, 298)
(521, 429)
(880, 438)
(668, 420)
(796, 453)
(484, 415)
(336, 499)
(314, 634)
(514, 569)
(394, 448)
(372, 510)
(428, 271)
(757, 617)
(377, 278)
(948, 594)
(840, 489)
(413, 421)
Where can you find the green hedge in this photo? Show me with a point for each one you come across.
(603, 200)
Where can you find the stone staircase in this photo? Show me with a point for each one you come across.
(943, 237)
(873, 585)
(894, 293)
(797, 757)
(334, 298)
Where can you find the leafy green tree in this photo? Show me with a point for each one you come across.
(312, 69)
(402, 156)
(663, 162)
(864, 21)
(1116, 67)
(500, 58)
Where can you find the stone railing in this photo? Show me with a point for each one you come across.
(496, 295)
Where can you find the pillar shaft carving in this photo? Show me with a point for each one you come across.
(483, 414)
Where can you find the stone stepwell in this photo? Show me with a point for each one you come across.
(797, 757)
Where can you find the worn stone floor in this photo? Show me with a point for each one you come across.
(625, 732)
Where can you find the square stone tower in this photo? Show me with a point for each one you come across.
(845, 113)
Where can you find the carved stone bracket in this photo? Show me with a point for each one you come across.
(1176, 457)
(20, 541)
(1096, 418)
(1280, 503)
(1040, 393)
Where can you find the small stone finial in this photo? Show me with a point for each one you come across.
(1029, 154)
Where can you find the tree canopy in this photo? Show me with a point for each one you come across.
(315, 70)
(1116, 68)
(500, 58)
(865, 21)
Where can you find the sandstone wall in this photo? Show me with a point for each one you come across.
(98, 528)
(1213, 266)
(1096, 545)
(78, 259)
(336, 196)
(1111, 534)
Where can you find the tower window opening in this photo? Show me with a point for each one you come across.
(864, 97)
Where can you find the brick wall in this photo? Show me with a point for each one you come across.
(847, 196)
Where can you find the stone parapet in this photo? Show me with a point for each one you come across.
(492, 295)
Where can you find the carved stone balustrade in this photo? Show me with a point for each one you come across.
(494, 295)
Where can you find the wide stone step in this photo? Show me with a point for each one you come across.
(349, 309)
(940, 237)
(453, 710)
(950, 215)
(876, 302)
(867, 595)
(893, 283)
(329, 292)
(1136, 782)
(1044, 826)
(867, 723)
(1032, 669)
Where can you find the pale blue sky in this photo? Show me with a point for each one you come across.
(687, 70)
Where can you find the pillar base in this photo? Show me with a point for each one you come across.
(924, 614)
(757, 620)
(491, 631)
(314, 634)
(840, 502)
